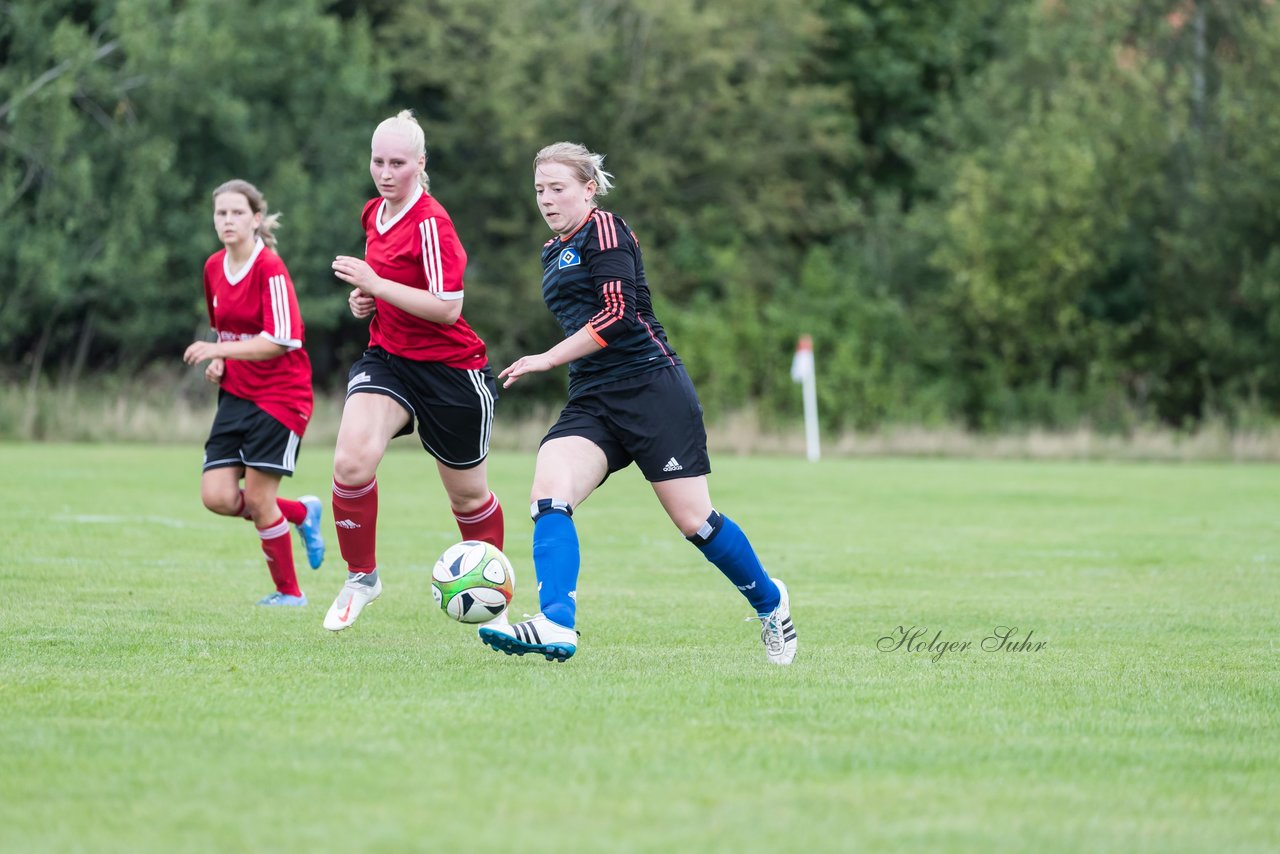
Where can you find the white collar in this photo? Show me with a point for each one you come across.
(235, 278)
(384, 228)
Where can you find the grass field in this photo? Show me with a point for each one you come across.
(147, 705)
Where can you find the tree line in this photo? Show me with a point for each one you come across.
(999, 213)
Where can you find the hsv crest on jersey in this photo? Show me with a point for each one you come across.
(594, 279)
(569, 258)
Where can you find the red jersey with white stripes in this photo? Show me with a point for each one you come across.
(595, 278)
(419, 248)
(258, 300)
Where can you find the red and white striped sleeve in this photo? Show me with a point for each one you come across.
(281, 319)
(443, 259)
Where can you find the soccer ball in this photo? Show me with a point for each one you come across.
(473, 582)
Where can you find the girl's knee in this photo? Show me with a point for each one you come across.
(221, 503)
(353, 466)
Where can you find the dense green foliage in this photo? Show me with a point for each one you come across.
(999, 212)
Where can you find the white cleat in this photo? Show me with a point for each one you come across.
(776, 630)
(500, 620)
(350, 602)
(552, 641)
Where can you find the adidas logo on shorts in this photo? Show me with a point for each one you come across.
(672, 465)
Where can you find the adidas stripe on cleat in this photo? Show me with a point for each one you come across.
(777, 630)
(537, 634)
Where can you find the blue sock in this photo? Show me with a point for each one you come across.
(722, 542)
(556, 560)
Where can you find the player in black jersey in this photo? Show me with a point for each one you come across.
(630, 400)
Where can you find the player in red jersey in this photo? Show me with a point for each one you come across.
(264, 380)
(424, 363)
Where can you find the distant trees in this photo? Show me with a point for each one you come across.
(1095, 229)
(1001, 212)
(121, 118)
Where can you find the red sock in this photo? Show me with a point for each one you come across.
(484, 524)
(278, 548)
(355, 516)
(294, 511)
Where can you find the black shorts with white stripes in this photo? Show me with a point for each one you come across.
(452, 406)
(245, 435)
(654, 419)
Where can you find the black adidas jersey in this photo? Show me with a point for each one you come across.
(595, 278)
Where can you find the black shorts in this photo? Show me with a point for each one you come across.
(244, 435)
(453, 406)
(654, 419)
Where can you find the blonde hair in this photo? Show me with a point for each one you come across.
(586, 165)
(406, 125)
(257, 204)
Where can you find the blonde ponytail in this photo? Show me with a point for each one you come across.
(586, 165)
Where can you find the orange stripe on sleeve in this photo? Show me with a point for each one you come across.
(591, 330)
(606, 231)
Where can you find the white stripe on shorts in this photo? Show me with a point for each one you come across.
(486, 422)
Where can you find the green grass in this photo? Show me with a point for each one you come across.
(147, 705)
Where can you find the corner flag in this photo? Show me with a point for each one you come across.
(802, 371)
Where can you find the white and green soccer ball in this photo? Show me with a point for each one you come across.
(473, 582)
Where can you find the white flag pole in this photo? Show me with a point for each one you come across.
(803, 371)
